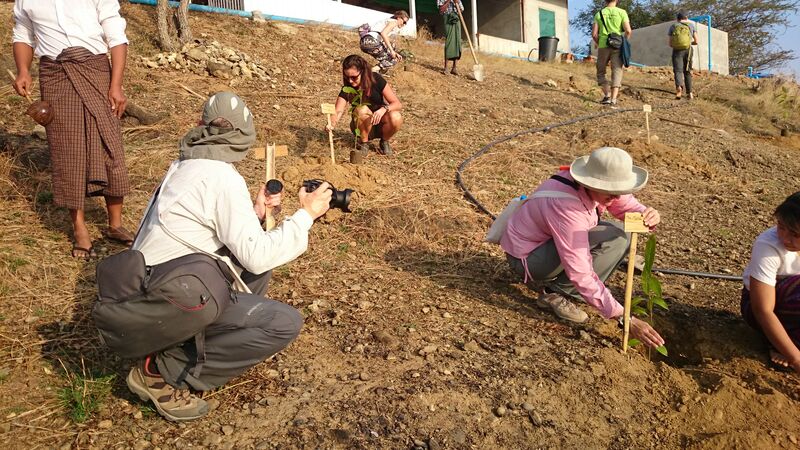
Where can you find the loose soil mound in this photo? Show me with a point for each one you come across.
(416, 334)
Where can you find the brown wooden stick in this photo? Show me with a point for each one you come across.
(330, 139)
(13, 79)
(629, 292)
(192, 92)
(469, 40)
(270, 172)
(693, 125)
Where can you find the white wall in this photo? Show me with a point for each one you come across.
(531, 13)
(649, 47)
(325, 11)
(493, 44)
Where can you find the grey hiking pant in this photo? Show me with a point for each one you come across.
(682, 69)
(246, 333)
(608, 243)
(614, 56)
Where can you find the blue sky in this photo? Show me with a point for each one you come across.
(787, 40)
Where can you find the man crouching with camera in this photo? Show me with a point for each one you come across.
(203, 206)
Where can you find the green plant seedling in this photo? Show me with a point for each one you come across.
(643, 306)
(356, 102)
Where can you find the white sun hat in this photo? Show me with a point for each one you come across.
(609, 170)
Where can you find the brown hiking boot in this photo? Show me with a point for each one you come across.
(174, 404)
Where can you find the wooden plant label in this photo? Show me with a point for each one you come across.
(261, 152)
(634, 223)
(647, 108)
(329, 109)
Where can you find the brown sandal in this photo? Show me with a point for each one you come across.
(119, 234)
(83, 252)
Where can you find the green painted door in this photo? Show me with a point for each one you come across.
(547, 22)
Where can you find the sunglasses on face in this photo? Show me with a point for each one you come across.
(354, 77)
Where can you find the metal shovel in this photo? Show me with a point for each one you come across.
(477, 69)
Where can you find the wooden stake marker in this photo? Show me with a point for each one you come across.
(269, 153)
(634, 224)
(329, 109)
(647, 110)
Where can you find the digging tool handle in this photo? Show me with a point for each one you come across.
(270, 174)
(469, 40)
(628, 292)
(13, 79)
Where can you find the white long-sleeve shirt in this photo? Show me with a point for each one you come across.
(206, 203)
(50, 26)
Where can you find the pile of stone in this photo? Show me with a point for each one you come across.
(209, 58)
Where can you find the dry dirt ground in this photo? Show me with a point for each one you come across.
(416, 333)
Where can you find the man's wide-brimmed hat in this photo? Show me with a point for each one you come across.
(609, 170)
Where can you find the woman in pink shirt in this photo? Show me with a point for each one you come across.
(556, 237)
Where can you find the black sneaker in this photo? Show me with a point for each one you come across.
(363, 147)
(605, 101)
(385, 148)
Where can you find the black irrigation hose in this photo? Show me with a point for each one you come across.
(487, 147)
(502, 139)
(717, 276)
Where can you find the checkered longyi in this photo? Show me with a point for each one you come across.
(85, 138)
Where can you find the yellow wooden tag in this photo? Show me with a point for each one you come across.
(647, 108)
(328, 108)
(281, 150)
(634, 223)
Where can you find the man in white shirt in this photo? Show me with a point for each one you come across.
(72, 39)
(203, 206)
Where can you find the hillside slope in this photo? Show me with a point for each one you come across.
(416, 332)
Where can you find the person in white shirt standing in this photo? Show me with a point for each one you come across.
(203, 206)
(771, 294)
(72, 39)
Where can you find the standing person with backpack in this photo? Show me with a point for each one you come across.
(682, 35)
(610, 24)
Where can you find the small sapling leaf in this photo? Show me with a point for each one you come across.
(634, 342)
(662, 349)
(660, 302)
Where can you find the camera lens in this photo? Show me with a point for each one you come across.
(339, 199)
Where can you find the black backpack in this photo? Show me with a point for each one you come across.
(145, 309)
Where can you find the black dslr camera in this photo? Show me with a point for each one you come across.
(339, 199)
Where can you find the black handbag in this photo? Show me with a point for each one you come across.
(614, 40)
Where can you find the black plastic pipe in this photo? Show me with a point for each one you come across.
(487, 147)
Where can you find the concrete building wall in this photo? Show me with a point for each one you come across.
(494, 40)
(531, 13)
(325, 11)
(649, 47)
(500, 18)
(492, 44)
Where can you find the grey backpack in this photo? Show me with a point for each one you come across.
(145, 309)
